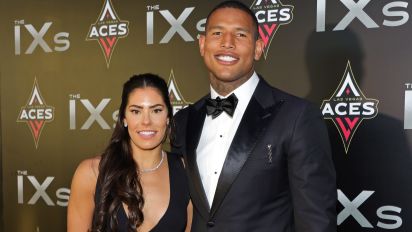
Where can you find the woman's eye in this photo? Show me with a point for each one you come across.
(157, 110)
(134, 111)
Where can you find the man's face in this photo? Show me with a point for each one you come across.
(229, 47)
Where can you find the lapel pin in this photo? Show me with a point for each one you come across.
(269, 148)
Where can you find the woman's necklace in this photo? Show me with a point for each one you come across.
(156, 167)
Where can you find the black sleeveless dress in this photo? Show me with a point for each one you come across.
(175, 217)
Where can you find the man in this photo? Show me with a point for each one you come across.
(258, 160)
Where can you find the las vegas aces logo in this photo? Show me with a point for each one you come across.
(107, 30)
(348, 107)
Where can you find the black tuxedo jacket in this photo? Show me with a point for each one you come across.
(278, 175)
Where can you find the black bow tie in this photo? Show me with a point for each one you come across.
(216, 106)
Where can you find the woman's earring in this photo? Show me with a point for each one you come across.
(125, 124)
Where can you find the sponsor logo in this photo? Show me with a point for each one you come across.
(107, 30)
(36, 113)
(61, 39)
(176, 97)
(394, 12)
(388, 215)
(94, 112)
(348, 107)
(271, 14)
(60, 198)
(176, 24)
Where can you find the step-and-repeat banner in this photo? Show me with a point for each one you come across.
(63, 64)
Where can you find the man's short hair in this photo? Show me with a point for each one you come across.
(236, 5)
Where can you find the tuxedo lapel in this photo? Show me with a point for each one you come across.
(196, 118)
(261, 109)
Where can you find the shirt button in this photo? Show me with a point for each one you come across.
(215, 172)
(221, 136)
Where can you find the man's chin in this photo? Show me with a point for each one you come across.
(225, 76)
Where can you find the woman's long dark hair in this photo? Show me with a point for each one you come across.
(118, 173)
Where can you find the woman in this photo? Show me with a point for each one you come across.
(134, 185)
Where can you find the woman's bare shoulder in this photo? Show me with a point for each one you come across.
(88, 169)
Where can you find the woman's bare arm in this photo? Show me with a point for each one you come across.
(81, 202)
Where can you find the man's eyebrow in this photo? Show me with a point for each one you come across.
(214, 27)
(243, 29)
(217, 27)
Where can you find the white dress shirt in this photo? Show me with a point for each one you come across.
(217, 135)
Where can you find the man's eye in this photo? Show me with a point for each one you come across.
(157, 110)
(217, 33)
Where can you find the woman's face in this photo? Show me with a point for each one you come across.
(146, 117)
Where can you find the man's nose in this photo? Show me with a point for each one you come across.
(228, 41)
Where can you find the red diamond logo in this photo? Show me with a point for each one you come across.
(271, 14)
(36, 113)
(348, 111)
(107, 30)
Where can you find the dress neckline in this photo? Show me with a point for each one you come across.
(123, 212)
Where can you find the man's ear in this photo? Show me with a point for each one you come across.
(259, 46)
(202, 44)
